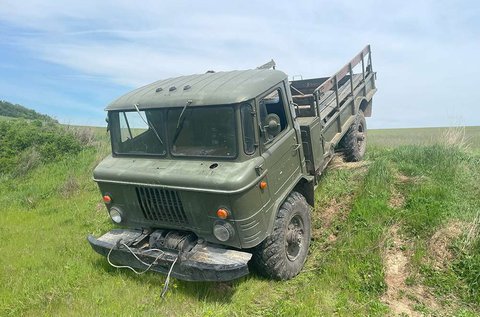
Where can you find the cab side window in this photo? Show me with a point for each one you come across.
(272, 115)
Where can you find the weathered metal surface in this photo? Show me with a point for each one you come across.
(218, 88)
(203, 263)
(311, 134)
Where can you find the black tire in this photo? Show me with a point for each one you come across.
(282, 254)
(354, 142)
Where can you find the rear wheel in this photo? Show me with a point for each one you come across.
(282, 254)
(354, 142)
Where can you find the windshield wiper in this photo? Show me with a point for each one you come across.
(181, 120)
(148, 123)
(128, 125)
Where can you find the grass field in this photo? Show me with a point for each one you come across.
(422, 136)
(395, 234)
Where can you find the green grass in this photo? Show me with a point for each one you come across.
(48, 268)
(419, 136)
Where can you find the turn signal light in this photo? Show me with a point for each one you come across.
(222, 213)
(107, 199)
(263, 185)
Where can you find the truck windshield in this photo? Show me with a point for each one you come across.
(202, 131)
(138, 132)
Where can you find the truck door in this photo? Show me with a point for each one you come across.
(279, 142)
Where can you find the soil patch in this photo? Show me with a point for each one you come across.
(397, 200)
(335, 209)
(440, 242)
(403, 179)
(395, 262)
(399, 297)
(338, 162)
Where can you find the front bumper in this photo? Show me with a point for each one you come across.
(205, 262)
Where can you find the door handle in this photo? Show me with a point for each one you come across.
(296, 146)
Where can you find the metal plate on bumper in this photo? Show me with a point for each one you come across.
(203, 263)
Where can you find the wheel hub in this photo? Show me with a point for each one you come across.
(294, 238)
(361, 137)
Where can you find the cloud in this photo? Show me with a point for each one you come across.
(424, 51)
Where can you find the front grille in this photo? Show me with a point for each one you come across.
(161, 205)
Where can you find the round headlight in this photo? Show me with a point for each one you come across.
(115, 215)
(223, 231)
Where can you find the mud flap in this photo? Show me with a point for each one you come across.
(205, 262)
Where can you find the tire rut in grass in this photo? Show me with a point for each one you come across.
(395, 263)
(338, 208)
(397, 200)
(403, 299)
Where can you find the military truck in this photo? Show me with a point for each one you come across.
(214, 172)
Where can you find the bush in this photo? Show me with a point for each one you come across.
(8, 109)
(85, 135)
(24, 144)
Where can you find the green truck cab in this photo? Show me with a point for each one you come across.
(210, 172)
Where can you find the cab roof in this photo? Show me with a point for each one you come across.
(211, 88)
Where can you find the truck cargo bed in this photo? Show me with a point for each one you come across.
(333, 102)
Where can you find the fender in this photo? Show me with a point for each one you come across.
(306, 183)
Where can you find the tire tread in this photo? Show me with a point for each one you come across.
(269, 257)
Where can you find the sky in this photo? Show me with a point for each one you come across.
(69, 59)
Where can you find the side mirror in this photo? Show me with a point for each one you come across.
(272, 125)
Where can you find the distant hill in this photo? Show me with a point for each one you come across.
(8, 109)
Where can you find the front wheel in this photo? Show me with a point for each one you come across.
(282, 254)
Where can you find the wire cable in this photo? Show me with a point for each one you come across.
(149, 266)
(167, 280)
